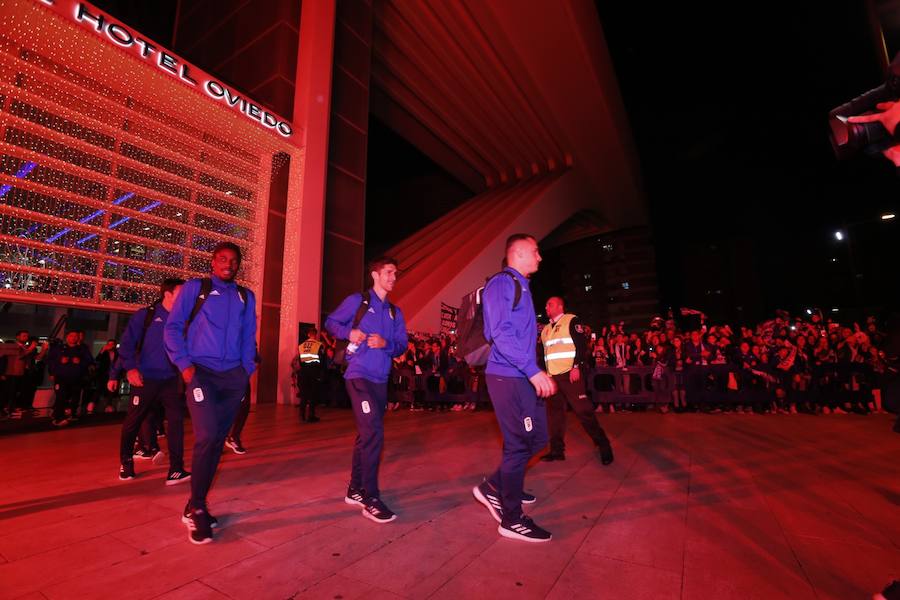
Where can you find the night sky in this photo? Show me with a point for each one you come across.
(728, 111)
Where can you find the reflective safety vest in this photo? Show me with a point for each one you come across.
(309, 352)
(559, 347)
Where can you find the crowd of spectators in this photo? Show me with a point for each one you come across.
(784, 365)
(810, 364)
(787, 365)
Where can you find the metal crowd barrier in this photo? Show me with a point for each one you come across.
(626, 385)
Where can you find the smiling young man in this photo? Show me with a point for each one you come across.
(376, 334)
(211, 338)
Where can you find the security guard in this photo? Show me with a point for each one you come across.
(566, 354)
(211, 337)
(310, 375)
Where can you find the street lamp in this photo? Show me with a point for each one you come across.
(839, 235)
(887, 216)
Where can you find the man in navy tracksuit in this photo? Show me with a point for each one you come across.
(516, 386)
(211, 338)
(68, 366)
(154, 381)
(376, 334)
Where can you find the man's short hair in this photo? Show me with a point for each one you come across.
(20, 332)
(312, 330)
(562, 300)
(380, 262)
(169, 285)
(517, 237)
(228, 246)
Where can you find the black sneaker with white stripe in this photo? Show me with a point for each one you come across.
(525, 530)
(528, 498)
(186, 516)
(487, 495)
(235, 445)
(355, 496)
(176, 477)
(126, 471)
(199, 527)
(375, 510)
(156, 455)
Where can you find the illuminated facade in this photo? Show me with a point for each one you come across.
(104, 193)
(122, 164)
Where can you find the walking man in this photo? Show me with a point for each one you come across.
(566, 355)
(376, 334)
(211, 337)
(68, 366)
(154, 381)
(517, 387)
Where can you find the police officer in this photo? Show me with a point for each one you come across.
(566, 356)
(211, 338)
(517, 387)
(68, 366)
(154, 381)
(376, 333)
(311, 365)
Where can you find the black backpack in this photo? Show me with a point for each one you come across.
(471, 345)
(340, 346)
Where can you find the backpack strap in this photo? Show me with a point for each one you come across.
(364, 306)
(148, 319)
(515, 279)
(361, 311)
(205, 289)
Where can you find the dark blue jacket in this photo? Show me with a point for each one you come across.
(222, 335)
(69, 363)
(513, 332)
(153, 362)
(373, 364)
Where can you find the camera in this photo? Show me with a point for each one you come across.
(847, 139)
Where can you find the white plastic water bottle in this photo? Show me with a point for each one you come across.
(351, 348)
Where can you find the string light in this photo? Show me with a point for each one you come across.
(114, 176)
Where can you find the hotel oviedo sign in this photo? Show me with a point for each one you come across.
(101, 24)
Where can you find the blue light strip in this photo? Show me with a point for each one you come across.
(89, 218)
(147, 208)
(31, 230)
(23, 172)
(132, 269)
